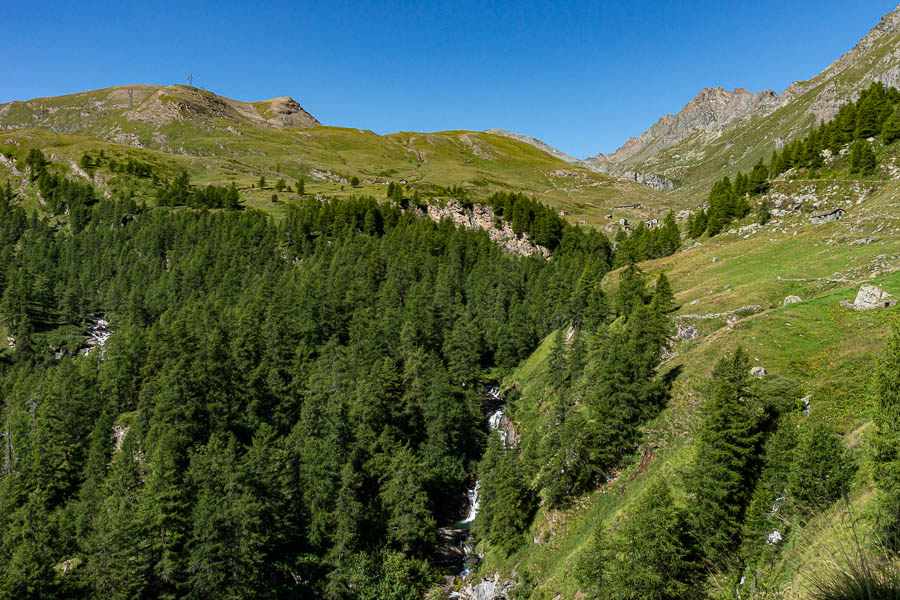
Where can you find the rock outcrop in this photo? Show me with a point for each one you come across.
(486, 589)
(482, 217)
(871, 296)
(792, 300)
(660, 184)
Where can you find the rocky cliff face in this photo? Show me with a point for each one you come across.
(712, 109)
(651, 180)
(837, 90)
(482, 217)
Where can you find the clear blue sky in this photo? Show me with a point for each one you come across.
(582, 76)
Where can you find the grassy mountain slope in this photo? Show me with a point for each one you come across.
(218, 140)
(829, 349)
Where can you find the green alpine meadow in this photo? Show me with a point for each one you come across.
(248, 355)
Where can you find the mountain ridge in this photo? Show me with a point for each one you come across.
(712, 108)
(152, 104)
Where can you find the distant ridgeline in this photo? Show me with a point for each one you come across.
(824, 153)
(280, 407)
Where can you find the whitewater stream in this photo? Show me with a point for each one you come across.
(493, 397)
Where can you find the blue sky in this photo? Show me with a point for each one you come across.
(582, 76)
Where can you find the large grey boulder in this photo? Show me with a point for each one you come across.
(792, 300)
(487, 589)
(871, 296)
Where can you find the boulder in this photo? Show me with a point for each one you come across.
(806, 402)
(871, 296)
(792, 300)
(686, 332)
(758, 372)
(487, 589)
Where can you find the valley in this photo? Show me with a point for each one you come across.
(249, 354)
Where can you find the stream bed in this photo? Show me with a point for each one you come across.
(457, 540)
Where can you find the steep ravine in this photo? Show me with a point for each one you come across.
(459, 542)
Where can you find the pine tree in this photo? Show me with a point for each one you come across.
(671, 234)
(162, 517)
(862, 158)
(631, 291)
(513, 504)
(577, 356)
(762, 213)
(648, 556)
(891, 130)
(224, 551)
(822, 468)
(699, 224)
(867, 118)
(767, 509)
(886, 441)
(232, 198)
(758, 180)
(410, 523)
(557, 361)
(720, 480)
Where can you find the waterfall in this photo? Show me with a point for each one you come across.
(473, 502)
(494, 425)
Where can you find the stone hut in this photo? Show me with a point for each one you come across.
(829, 215)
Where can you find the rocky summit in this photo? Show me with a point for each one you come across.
(711, 110)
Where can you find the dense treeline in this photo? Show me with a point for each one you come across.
(282, 410)
(180, 192)
(875, 114)
(605, 385)
(526, 215)
(646, 243)
(752, 475)
(59, 194)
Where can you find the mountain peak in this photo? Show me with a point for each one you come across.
(151, 104)
(711, 109)
(890, 23)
